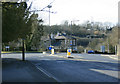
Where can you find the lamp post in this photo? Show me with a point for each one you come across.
(49, 6)
(72, 22)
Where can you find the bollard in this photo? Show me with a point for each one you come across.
(68, 52)
(44, 52)
(52, 51)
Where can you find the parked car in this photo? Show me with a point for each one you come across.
(90, 51)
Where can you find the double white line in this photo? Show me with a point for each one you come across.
(46, 72)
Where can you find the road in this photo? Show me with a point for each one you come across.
(81, 68)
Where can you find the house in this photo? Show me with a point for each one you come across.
(62, 42)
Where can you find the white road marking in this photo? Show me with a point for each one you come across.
(47, 73)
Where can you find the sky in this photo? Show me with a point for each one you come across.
(77, 11)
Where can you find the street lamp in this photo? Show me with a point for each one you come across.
(49, 6)
(72, 22)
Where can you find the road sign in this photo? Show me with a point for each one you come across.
(71, 42)
(50, 48)
(69, 50)
(103, 49)
(7, 46)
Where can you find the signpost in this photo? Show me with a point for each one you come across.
(103, 49)
(71, 45)
(7, 48)
(51, 49)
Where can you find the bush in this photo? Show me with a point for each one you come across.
(80, 49)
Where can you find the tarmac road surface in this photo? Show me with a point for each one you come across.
(81, 68)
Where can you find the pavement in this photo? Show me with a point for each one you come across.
(116, 57)
(15, 70)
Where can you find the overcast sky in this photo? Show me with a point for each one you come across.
(82, 10)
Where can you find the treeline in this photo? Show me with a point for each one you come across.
(74, 30)
(19, 24)
(110, 42)
(88, 37)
